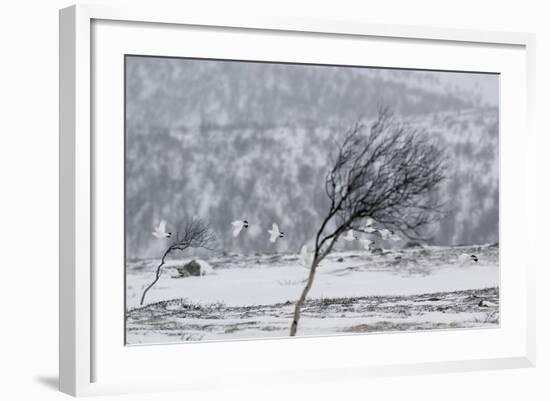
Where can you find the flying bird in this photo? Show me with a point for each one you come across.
(238, 226)
(366, 243)
(305, 259)
(160, 231)
(395, 237)
(350, 236)
(465, 258)
(385, 233)
(368, 226)
(274, 233)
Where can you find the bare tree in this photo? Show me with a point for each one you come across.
(194, 234)
(389, 173)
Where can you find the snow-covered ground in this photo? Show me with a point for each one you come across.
(251, 296)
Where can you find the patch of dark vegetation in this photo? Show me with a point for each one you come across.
(231, 329)
(269, 328)
(412, 244)
(389, 326)
(458, 300)
(180, 318)
(139, 265)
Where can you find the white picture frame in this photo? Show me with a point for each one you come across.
(83, 349)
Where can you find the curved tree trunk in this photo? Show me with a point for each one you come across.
(302, 299)
(300, 303)
(157, 275)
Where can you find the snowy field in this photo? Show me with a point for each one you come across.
(252, 296)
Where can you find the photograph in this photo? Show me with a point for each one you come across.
(276, 199)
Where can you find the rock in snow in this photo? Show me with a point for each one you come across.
(194, 268)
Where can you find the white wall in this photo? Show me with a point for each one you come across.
(28, 204)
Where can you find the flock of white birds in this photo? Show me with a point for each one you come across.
(306, 259)
(274, 233)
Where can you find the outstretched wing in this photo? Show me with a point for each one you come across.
(274, 233)
(366, 243)
(237, 229)
(162, 226)
(303, 256)
(305, 259)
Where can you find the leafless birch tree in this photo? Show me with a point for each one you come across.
(388, 172)
(194, 234)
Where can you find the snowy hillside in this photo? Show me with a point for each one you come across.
(175, 92)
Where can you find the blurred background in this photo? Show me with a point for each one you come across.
(227, 140)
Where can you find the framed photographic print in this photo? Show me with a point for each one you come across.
(358, 189)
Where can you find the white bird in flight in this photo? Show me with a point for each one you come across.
(366, 243)
(465, 258)
(385, 233)
(350, 236)
(274, 233)
(160, 231)
(395, 237)
(305, 259)
(238, 225)
(368, 226)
